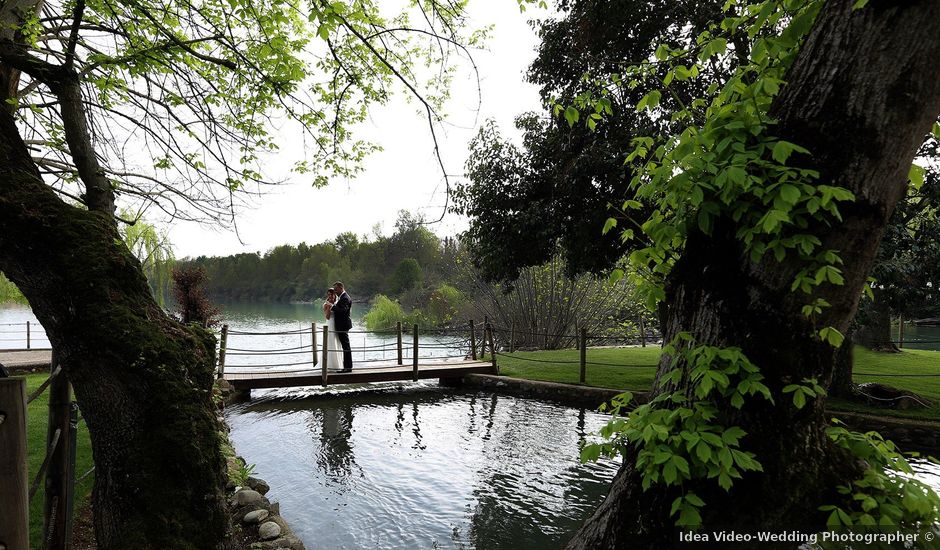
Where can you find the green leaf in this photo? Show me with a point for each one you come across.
(782, 150)
(799, 399)
(916, 176)
(590, 453)
(649, 101)
(608, 225)
(689, 517)
(831, 335)
(572, 115)
(789, 193)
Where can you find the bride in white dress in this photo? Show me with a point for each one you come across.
(334, 351)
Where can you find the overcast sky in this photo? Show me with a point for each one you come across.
(403, 176)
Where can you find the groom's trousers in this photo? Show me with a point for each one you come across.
(347, 352)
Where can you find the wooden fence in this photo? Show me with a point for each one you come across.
(57, 472)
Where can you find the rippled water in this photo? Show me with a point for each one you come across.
(424, 468)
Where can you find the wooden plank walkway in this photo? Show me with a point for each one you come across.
(22, 359)
(259, 379)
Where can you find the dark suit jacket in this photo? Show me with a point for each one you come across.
(341, 313)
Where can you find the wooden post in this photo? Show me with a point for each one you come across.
(223, 342)
(900, 331)
(414, 358)
(486, 323)
(512, 337)
(313, 342)
(642, 333)
(492, 348)
(57, 514)
(473, 341)
(326, 350)
(14, 492)
(401, 354)
(583, 376)
(29, 341)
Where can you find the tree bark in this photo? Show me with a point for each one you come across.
(842, 384)
(875, 332)
(861, 95)
(141, 379)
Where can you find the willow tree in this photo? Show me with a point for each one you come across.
(169, 105)
(153, 250)
(769, 204)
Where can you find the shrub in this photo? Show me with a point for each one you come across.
(384, 314)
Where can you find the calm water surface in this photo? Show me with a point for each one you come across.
(423, 467)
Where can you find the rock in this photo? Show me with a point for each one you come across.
(240, 513)
(259, 485)
(256, 516)
(269, 530)
(247, 496)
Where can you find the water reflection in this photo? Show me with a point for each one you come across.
(335, 457)
(427, 468)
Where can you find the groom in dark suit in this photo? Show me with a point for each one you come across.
(343, 323)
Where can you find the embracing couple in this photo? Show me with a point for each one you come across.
(336, 309)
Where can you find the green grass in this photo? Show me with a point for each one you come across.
(37, 419)
(636, 367)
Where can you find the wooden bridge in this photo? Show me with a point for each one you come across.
(312, 370)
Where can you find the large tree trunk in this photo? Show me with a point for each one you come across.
(842, 384)
(861, 96)
(875, 330)
(141, 379)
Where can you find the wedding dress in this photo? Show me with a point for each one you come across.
(334, 350)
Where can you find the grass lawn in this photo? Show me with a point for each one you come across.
(37, 417)
(633, 369)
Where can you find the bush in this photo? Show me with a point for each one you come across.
(384, 314)
(189, 286)
(444, 303)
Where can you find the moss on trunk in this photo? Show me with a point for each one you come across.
(142, 380)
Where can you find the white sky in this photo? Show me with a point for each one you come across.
(403, 176)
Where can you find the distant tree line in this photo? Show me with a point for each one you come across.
(411, 258)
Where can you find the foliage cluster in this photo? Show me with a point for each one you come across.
(569, 173)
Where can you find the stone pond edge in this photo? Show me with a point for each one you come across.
(254, 517)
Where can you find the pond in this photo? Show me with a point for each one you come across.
(423, 467)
